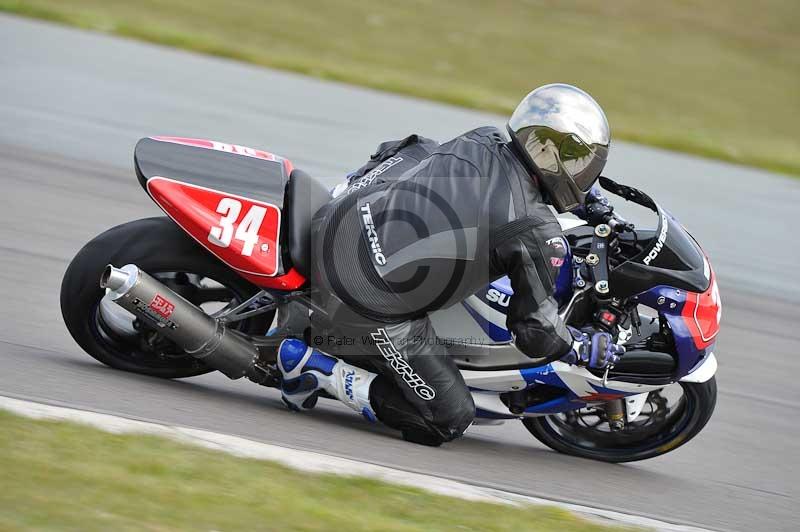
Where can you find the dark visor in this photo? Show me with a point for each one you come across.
(582, 164)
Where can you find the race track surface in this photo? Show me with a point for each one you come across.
(72, 106)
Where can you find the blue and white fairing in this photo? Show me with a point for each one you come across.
(482, 319)
(488, 309)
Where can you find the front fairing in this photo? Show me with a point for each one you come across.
(692, 317)
(670, 257)
(670, 274)
(673, 276)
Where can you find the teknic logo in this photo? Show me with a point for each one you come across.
(372, 235)
(400, 366)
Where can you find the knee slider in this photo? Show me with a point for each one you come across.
(452, 422)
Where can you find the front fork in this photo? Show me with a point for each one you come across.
(615, 413)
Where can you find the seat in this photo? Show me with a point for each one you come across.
(304, 197)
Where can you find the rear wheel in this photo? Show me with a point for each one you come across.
(115, 337)
(672, 416)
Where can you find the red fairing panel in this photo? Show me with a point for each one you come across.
(702, 313)
(244, 233)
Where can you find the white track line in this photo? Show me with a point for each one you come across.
(318, 462)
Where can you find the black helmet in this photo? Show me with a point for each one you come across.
(564, 135)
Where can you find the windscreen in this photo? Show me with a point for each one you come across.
(672, 247)
(670, 257)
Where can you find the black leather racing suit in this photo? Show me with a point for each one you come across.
(392, 249)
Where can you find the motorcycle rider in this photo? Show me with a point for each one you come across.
(401, 242)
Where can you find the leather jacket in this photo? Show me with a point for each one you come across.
(430, 237)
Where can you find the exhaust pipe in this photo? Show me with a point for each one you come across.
(194, 331)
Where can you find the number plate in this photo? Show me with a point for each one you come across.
(244, 233)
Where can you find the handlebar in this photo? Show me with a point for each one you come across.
(618, 224)
(601, 212)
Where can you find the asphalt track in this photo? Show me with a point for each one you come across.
(73, 104)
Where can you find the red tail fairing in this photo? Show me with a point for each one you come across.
(227, 197)
(244, 233)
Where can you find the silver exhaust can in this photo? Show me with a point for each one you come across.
(194, 331)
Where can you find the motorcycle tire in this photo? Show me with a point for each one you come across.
(701, 400)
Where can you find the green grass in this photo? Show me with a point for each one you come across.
(719, 78)
(62, 476)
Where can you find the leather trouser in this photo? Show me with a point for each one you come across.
(419, 390)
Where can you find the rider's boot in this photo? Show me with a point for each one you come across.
(307, 371)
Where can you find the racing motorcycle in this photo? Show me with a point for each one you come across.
(198, 290)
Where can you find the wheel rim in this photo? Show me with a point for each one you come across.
(666, 415)
(137, 343)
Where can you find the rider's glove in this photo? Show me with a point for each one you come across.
(594, 206)
(594, 349)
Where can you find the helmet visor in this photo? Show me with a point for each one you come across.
(581, 162)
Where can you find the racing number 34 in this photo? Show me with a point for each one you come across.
(245, 231)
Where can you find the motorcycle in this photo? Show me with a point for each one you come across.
(198, 290)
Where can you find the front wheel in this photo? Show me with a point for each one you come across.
(672, 416)
(114, 336)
